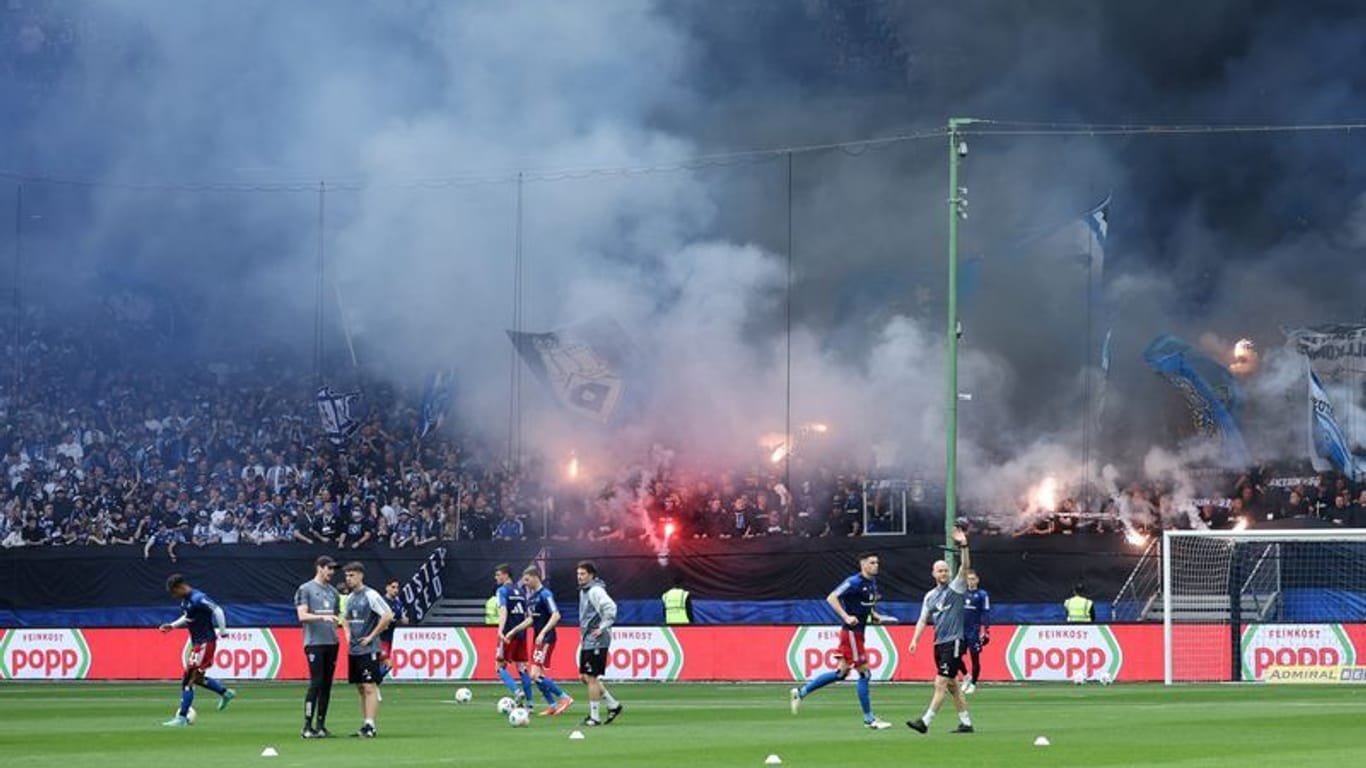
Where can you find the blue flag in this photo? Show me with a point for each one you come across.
(1209, 389)
(436, 401)
(1329, 446)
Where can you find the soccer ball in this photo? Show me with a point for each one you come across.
(463, 695)
(518, 718)
(506, 705)
(1104, 678)
(1079, 678)
(190, 715)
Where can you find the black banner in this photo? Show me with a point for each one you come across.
(1024, 570)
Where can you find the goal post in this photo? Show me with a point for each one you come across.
(1235, 603)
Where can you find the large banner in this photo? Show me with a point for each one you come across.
(1123, 652)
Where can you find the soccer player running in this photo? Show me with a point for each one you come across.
(542, 617)
(944, 606)
(512, 646)
(597, 614)
(206, 623)
(367, 616)
(976, 627)
(855, 602)
(317, 604)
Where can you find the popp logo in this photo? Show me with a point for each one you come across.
(1063, 652)
(436, 653)
(814, 650)
(644, 653)
(1294, 645)
(44, 654)
(243, 653)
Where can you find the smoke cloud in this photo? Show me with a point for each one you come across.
(230, 143)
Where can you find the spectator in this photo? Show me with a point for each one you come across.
(428, 528)
(509, 528)
(405, 533)
(359, 531)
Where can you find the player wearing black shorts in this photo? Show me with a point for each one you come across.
(316, 602)
(597, 613)
(367, 616)
(944, 606)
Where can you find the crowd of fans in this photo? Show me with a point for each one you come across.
(1223, 501)
(101, 449)
(120, 450)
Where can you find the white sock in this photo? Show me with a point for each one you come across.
(593, 709)
(611, 700)
(370, 722)
(928, 717)
(964, 718)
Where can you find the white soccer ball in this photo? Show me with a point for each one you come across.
(190, 715)
(1079, 678)
(463, 695)
(519, 717)
(1105, 678)
(506, 705)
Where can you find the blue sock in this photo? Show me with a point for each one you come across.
(554, 688)
(547, 690)
(818, 682)
(214, 686)
(186, 699)
(526, 684)
(864, 700)
(508, 680)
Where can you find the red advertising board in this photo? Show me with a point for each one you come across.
(752, 653)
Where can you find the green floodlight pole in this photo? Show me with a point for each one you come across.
(958, 209)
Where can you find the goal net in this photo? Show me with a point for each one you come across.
(1261, 605)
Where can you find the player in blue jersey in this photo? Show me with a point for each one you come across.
(855, 602)
(976, 627)
(512, 646)
(206, 623)
(542, 618)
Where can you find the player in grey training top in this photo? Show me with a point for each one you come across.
(597, 613)
(316, 603)
(944, 606)
(366, 616)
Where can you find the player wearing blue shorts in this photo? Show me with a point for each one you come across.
(976, 628)
(206, 623)
(855, 602)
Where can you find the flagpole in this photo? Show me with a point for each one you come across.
(787, 457)
(18, 294)
(319, 299)
(958, 149)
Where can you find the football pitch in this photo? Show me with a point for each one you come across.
(675, 724)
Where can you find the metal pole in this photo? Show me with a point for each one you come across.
(957, 209)
(18, 295)
(321, 300)
(1167, 607)
(787, 458)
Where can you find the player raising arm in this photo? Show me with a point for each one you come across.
(944, 606)
(206, 623)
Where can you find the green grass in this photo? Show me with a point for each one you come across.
(85, 724)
